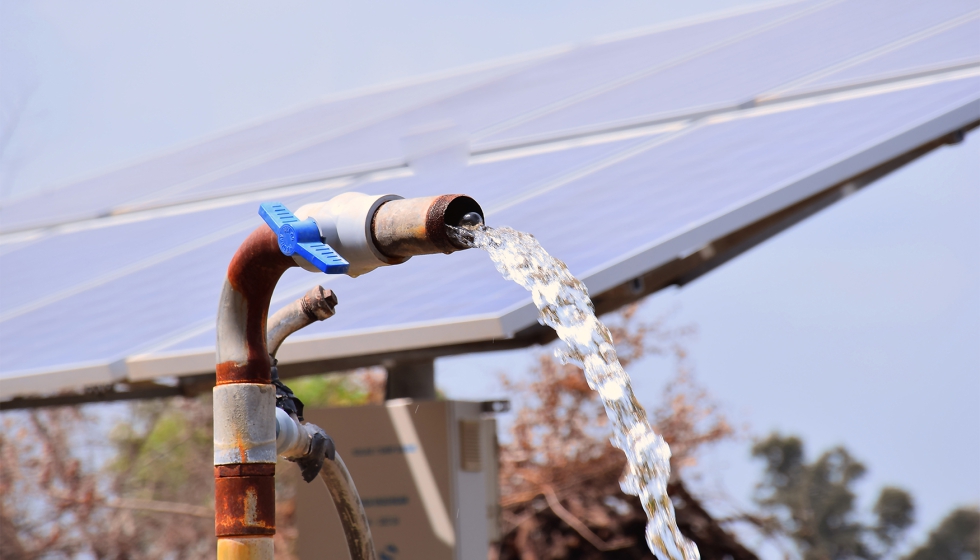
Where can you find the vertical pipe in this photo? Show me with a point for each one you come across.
(245, 403)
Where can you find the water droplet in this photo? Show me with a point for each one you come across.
(471, 220)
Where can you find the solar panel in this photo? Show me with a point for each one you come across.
(108, 266)
(81, 305)
(759, 61)
(184, 168)
(511, 96)
(355, 134)
(940, 48)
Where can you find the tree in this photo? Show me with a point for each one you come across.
(956, 538)
(75, 482)
(359, 387)
(814, 502)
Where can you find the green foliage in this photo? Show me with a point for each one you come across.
(816, 502)
(156, 447)
(956, 538)
(330, 390)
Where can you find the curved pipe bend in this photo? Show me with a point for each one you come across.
(316, 305)
(243, 308)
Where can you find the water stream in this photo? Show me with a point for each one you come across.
(563, 304)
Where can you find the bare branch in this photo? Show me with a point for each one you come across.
(580, 528)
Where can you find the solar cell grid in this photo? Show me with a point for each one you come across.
(660, 193)
(106, 255)
(954, 46)
(693, 178)
(185, 167)
(833, 31)
(501, 100)
(100, 254)
(117, 317)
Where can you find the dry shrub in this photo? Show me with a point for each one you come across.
(560, 476)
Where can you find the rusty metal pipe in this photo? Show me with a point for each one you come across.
(245, 402)
(417, 226)
(316, 305)
(293, 440)
(244, 306)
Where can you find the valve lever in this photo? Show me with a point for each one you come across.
(301, 237)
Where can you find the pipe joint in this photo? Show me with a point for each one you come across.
(244, 423)
(292, 437)
(345, 225)
(370, 231)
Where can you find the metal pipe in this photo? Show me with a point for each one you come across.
(335, 475)
(316, 305)
(293, 438)
(293, 443)
(245, 402)
(417, 226)
(243, 308)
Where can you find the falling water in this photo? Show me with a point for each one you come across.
(563, 303)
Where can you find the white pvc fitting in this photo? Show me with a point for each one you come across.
(345, 225)
(292, 441)
(244, 423)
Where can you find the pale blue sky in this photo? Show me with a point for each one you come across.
(859, 327)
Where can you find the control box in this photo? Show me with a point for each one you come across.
(427, 475)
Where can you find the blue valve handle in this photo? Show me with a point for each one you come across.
(301, 237)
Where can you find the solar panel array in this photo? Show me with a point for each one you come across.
(619, 156)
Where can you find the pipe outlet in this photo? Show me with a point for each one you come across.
(417, 226)
(379, 230)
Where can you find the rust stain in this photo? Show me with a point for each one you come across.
(245, 505)
(252, 371)
(242, 450)
(254, 272)
(435, 223)
(245, 469)
(319, 303)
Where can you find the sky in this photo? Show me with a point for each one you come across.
(858, 327)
